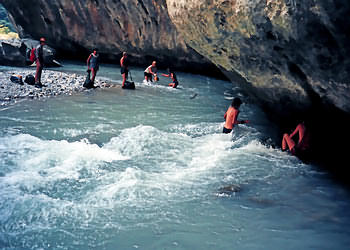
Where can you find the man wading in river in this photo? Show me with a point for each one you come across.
(124, 67)
(93, 64)
(231, 116)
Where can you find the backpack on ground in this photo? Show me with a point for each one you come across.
(16, 79)
(88, 83)
(129, 85)
(30, 79)
(32, 56)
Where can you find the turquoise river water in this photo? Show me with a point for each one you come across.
(143, 169)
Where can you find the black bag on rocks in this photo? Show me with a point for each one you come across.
(129, 85)
(30, 79)
(88, 83)
(16, 79)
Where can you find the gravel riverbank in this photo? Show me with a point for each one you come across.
(56, 83)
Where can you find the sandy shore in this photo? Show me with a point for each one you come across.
(56, 83)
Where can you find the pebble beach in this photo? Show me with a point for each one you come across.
(55, 83)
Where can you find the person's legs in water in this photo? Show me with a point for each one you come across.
(124, 79)
(226, 130)
(124, 75)
(94, 72)
(148, 77)
(287, 141)
(39, 69)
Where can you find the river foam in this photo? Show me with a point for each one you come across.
(151, 169)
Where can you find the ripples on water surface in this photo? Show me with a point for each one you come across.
(119, 169)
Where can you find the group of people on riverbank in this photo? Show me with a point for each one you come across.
(93, 65)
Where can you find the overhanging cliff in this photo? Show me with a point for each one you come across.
(291, 53)
(74, 27)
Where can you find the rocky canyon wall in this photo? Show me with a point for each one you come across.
(291, 53)
(74, 27)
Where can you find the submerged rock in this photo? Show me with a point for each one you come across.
(230, 189)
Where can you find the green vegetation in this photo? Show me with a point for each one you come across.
(5, 24)
(7, 30)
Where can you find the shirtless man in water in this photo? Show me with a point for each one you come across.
(231, 116)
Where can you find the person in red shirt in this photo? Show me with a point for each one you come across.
(39, 54)
(231, 116)
(302, 146)
(124, 64)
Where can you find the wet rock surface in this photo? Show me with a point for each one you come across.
(288, 54)
(55, 83)
(75, 27)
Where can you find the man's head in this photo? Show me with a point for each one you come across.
(236, 102)
(42, 41)
(125, 54)
(154, 63)
(95, 50)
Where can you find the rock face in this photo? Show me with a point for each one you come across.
(16, 52)
(291, 54)
(12, 53)
(75, 27)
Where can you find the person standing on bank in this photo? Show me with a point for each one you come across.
(231, 116)
(124, 67)
(39, 55)
(93, 64)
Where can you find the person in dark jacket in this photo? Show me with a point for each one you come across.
(93, 64)
(39, 54)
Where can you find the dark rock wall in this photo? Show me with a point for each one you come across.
(291, 53)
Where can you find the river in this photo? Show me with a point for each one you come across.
(144, 169)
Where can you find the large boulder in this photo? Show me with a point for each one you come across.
(11, 53)
(16, 52)
(75, 27)
(49, 53)
(288, 54)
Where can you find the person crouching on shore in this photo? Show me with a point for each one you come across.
(231, 116)
(93, 64)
